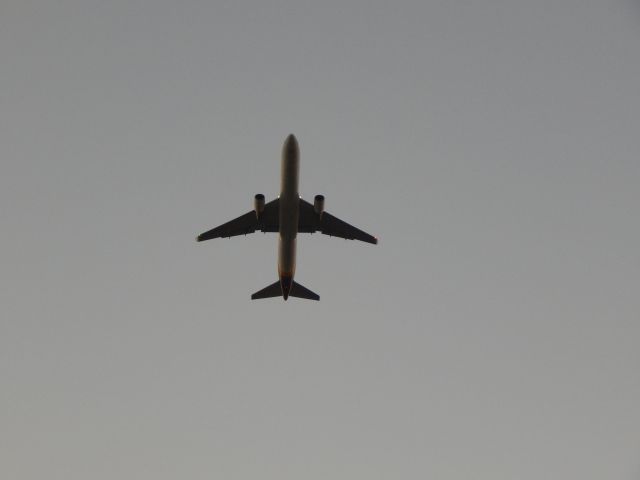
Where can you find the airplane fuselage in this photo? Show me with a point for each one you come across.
(289, 212)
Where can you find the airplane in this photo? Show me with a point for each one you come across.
(288, 215)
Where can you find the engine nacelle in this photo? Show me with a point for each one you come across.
(258, 204)
(318, 204)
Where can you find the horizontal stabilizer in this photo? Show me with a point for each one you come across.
(299, 291)
(273, 290)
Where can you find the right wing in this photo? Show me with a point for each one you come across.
(268, 221)
(309, 222)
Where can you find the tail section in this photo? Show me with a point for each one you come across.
(299, 291)
(275, 290)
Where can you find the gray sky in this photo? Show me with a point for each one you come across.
(491, 145)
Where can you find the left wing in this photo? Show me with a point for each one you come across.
(309, 222)
(268, 221)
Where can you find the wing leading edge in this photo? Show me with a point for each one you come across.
(310, 222)
(268, 221)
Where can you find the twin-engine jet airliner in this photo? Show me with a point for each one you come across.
(288, 214)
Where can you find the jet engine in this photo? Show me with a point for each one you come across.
(318, 204)
(258, 204)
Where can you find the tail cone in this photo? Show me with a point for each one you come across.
(285, 283)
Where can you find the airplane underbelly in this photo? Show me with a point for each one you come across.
(287, 257)
(289, 209)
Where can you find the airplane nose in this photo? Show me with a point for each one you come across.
(290, 148)
(291, 142)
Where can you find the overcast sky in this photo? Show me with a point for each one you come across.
(492, 145)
